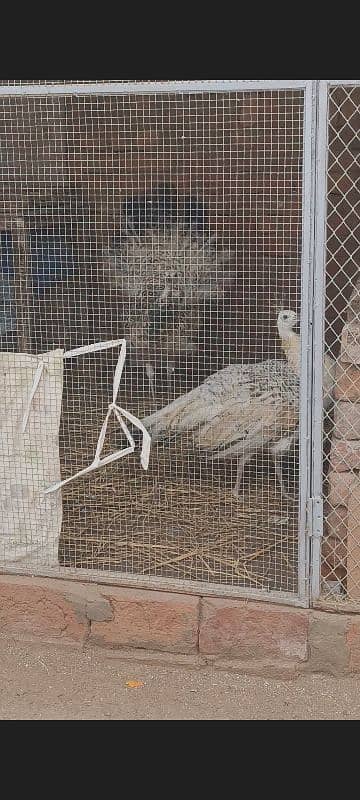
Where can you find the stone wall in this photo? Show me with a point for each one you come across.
(341, 547)
(153, 626)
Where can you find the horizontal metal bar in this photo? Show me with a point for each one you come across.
(160, 584)
(343, 83)
(148, 87)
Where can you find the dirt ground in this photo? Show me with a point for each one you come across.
(40, 682)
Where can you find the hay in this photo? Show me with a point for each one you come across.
(178, 520)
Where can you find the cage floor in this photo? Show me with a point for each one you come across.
(179, 519)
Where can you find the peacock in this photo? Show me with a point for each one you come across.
(238, 411)
(167, 267)
(170, 332)
(290, 342)
(245, 408)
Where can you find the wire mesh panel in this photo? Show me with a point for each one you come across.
(340, 447)
(173, 220)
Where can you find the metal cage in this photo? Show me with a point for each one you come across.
(218, 178)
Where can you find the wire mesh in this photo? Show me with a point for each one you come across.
(175, 221)
(340, 564)
(50, 83)
(113, 80)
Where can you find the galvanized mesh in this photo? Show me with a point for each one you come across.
(175, 221)
(340, 568)
(54, 82)
(51, 82)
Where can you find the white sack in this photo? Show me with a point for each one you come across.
(30, 407)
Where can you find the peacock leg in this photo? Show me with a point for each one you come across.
(239, 475)
(278, 471)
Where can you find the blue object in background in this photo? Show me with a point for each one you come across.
(7, 302)
(51, 261)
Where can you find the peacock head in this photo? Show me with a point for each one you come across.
(286, 322)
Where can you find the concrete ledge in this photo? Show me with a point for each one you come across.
(246, 636)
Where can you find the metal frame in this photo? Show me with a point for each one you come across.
(341, 83)
(309, 88)
(305, 521)
(132, 580)
(147, 87)
(318, 343)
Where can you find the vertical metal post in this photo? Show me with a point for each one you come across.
(308, 203)
(21, 284)
(318, 334)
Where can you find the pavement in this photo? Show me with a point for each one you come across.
(53, 682)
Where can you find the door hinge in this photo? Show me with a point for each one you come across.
(315, 517)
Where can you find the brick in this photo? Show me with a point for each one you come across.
(353, 642)
(345, 455)
(334, 554)
(252, 631)
(152, 620)
(328, 647)
(339, 485)
(334, 545)
(353, 558)
(40, 609)
(347, 383)
(347, 420)
(344, 184)
(336, 574)
(336, 523)
(350, 343)
(354, 307)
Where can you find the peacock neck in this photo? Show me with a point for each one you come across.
(290, 346)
